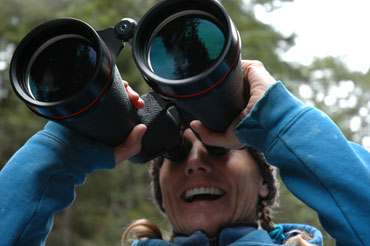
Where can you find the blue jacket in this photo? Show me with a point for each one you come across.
(316, 163)
(237, 236)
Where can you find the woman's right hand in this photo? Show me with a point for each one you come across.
(132, 144)
(259, 80)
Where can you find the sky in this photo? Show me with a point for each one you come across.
(337, 28)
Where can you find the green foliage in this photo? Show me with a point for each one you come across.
(339, 92)
(269, 5)
(110, 200)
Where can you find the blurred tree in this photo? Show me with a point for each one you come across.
(341, 93)
(111, 199)
(17, 123)
(115, 196)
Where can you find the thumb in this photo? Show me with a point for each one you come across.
(225, 139)
(131, 146)
(207, 136)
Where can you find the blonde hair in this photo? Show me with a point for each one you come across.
(141, 229)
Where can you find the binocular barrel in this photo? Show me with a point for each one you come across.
(188, 52)
(65, 72)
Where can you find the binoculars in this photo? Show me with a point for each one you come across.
(188, 52)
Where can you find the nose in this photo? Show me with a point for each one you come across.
(197, 162)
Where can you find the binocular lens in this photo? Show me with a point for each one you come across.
(60, 68)
(185, 46)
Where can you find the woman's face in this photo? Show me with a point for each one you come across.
(206, 192)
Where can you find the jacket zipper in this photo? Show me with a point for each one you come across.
(213, 241)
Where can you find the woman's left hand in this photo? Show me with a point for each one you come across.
(227, 139)
(259, 80)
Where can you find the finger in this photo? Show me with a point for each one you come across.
(251, 65)
(259, 79)
(226, 139)
(134, 97)
(208, 137)
(132, 144)
(247, 63)
(139, 103)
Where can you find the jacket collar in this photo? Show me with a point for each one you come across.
(238, 235)
(225, 237)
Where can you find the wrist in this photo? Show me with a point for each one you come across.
(273, 111)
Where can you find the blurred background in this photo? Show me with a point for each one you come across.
(271, 31)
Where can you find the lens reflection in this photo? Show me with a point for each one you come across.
(186, 47)
(61, 69)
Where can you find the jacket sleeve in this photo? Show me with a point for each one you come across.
(39, 180)
(317, 164)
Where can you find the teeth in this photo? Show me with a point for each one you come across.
(203, 190)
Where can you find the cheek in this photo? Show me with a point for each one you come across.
(168, 186)
(165, 183)
(245, 202)
(165, 176)
(170, 201)
(162, 177)
(247, 187)
(246, 190)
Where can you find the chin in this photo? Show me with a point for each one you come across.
(208, 227)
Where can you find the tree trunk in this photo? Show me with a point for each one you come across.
(66, 227)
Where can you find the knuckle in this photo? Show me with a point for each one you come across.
(258, 63)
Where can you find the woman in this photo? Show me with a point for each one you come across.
(300, 140)
(208, 199)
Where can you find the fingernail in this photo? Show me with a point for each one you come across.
(194, 126)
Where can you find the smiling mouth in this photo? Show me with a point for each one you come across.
(203, 193)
